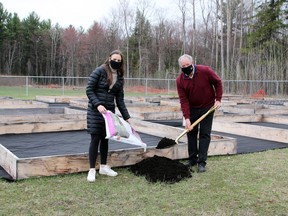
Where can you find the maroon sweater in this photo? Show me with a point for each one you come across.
(199, 92)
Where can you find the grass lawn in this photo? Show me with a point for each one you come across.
(21, 93)
(247, 184)
(30, 94)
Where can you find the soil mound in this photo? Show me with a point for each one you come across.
(161, 169)
(165, 143)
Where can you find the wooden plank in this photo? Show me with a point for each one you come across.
(58, 99)
(238, 110)
(55, 165)
(161, 130)
(272, 111)
(67, 125)
(81, 103)
(76, 112)
(17, 104)
(238, 118)
(23, 106)
(152, 109)
(220, 146)
(170, 103)
(278, 119)
(228, 103)
(162, 115)
(260, 132)
(8, 161)
(16, 119)
(223, 146)
(52, 165)
(155, 129)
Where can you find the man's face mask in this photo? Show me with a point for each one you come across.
(187, 70)
(115, 65)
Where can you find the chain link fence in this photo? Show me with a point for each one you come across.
(144, 86)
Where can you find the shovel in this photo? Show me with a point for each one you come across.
(195, 123)
(169, 143)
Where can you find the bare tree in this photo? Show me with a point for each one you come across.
(127, 17)
(160, 32)
(240, 42)
(68, 50)
(216, 38)
(222, 40)
(229, 35)
(55, 40)
(206, 11)
(182, 6)
(145, 10)
(194, 27)
(94, 45)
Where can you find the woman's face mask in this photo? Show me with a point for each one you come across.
(187, 70)
(115, 64)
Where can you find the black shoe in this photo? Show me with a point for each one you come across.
(201, 168)
(190, 166)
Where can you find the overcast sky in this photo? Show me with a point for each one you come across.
(76, 12)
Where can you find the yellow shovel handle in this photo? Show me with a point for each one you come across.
(195, 123)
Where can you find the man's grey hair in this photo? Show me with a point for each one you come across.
(185, 56)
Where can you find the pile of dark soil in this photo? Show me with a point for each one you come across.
(165, 143)
(161, 169)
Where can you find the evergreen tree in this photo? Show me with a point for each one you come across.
(270, 24)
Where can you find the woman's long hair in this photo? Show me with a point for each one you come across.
(120, 71)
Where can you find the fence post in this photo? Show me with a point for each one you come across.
(62, 78)
(27, 84)
(146, 86)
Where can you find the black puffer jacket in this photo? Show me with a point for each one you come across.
(98, 93)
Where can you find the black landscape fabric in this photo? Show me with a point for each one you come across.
(161, 169)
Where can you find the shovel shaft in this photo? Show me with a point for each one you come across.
(195, 123)
(181, 135)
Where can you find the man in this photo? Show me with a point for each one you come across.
(199, 88)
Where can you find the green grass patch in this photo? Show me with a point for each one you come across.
(32, 92)
(247, 184)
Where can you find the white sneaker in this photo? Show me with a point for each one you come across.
(91, 175)
(106, 170)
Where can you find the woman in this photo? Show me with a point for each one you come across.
(104, 88)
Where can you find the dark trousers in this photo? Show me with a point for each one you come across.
(198, 154)
(93, 149)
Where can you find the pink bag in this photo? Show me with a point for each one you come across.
(120, 130)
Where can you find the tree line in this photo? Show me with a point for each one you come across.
(240, 40)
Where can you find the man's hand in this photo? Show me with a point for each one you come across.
(187, 123)
(217, 104)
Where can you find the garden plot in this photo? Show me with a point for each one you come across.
(265, 120)
(9, 103)
(19, 167)
(18, 117)
(144, 108)
(58, 99)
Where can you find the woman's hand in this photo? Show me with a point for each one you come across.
(101, 109)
